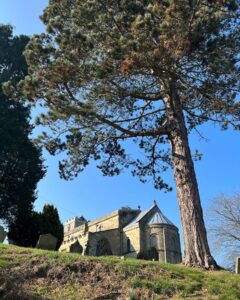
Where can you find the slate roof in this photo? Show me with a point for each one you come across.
(139, 217)
(156, 218)
(159, 218)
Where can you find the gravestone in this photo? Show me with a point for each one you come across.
(47, 242)
(3, 234)
(237, 266)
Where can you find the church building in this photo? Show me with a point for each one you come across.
(125, 232)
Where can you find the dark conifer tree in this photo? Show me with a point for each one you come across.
(50, 223)
(21, 165)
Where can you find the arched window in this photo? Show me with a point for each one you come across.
(76, 248)
(153, 252)
(153, 241)
(128, 246)
(174, 244)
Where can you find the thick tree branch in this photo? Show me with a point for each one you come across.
(127, 132)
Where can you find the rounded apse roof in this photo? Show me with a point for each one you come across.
(159, 218)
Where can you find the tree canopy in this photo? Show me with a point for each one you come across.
(20, 160)
(149, 71)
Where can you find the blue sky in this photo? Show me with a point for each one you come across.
(93, 195)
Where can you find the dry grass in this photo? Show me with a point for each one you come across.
(43, 275)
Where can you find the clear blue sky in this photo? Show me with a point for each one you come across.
(93, 195)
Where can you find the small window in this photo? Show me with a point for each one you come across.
(128, 246)
(174, 244)
(153, 241)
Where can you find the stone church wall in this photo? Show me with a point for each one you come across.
(173, 246)
(105, 227)
(133, 234)
(108, 222)
(147, 237)
(72, 236)
(111, 236)
(165, 239)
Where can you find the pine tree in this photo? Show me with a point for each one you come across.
(148, 71)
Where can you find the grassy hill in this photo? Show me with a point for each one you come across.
(37, 274)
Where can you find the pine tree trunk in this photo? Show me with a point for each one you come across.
(196, 249)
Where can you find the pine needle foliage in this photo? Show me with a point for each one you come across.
(104, 68)
(147, 71)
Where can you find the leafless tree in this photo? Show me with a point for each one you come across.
(224, 227)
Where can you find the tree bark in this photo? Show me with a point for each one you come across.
(196, 249)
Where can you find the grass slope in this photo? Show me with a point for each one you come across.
(37, 274)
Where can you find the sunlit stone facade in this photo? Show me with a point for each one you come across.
(125, 232)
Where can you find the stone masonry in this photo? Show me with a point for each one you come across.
(125, 232)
